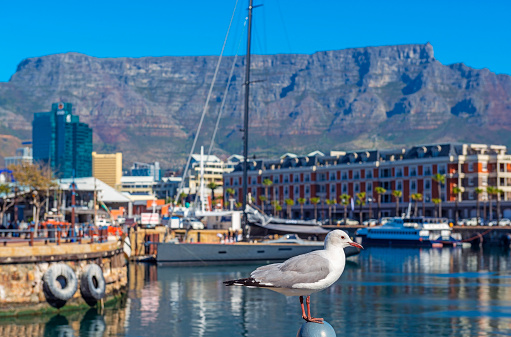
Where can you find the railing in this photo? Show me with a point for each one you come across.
(55, 235)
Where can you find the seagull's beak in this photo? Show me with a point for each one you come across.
(354, 244)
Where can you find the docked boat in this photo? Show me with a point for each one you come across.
(174, 253)
(421, 232)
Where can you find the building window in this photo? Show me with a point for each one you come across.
(427, 170)
(296, 178)
(344, 188)
(385, 173)
(306, 177)
(399, 171)
(307, 190)
(356, 174)
(369, 174)
(442, 169)
(399, 185)
(369, 187)
(471, 181)
(356, 187)
(332, 176)
(427, 184)
(484, 181)
(470, 167)
(276, 179)
(344, 176)
(485, 166)
(332, 188)
(286, 191)
(413, 185)
(471, 195)
(297, 190)
(286, 178)
(413, 171)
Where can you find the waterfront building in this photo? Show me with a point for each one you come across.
(23, 156)
(214, 170)
(107, 168)
(146, 170)
(167, 187)
(409, 170)
(62, 141)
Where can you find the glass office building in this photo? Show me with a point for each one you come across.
(62, 141)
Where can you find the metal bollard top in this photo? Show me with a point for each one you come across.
(309, 329)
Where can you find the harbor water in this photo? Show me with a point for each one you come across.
(383, 292)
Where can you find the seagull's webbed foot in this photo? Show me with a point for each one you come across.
(314, 320)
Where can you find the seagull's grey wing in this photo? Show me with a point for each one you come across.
(307, 268)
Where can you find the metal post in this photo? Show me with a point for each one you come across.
(245, 127)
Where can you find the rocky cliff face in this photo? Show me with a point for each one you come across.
(150, 107)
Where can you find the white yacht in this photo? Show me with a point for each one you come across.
(419, 231)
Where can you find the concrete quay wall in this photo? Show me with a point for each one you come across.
(22, 269)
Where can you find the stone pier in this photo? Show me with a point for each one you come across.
(22, 268)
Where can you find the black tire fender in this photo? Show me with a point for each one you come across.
(92, 284)
(59, 284)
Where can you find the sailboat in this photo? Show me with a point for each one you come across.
(173, 253)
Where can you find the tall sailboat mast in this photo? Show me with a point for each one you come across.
(245, 127)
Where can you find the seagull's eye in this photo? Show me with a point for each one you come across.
(342, 237)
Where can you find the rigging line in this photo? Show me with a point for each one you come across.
(185, 172)
(225, 96)
(284, 27)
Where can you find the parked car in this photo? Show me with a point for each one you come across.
(473, 222)
(502, 222)
(192, 223)
(349, 222)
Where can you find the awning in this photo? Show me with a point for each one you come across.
(295, 229)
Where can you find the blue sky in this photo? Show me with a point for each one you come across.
(476, 33)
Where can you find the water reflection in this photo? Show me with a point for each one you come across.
(383, 292)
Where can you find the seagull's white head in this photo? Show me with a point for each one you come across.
(338, 238)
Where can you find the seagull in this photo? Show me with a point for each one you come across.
(304, 274)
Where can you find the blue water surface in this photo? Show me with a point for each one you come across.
(382, 292)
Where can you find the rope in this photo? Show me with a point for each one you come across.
(224, 98)
(180, 189)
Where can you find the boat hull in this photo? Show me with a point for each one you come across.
(208, 254)
(395, 242)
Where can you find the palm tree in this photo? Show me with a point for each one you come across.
(289, 203)
(212, 186)
(440, 180)
(302, 202)
(478, 192)
(183, 197)
(345, 200)
(275, 203)
(263, 199)
(379, 190)
(457, 191)
(315, 201)
(361, 201)
(490, 190)
(436, 201)
(416, 197)
(397, 194)
(498, 193)
(330, 203)
(267, 183)
(278, 208)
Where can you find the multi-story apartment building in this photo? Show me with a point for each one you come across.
(411, 171)
(107, 168)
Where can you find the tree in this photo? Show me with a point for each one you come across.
(267, 183)
(278, 208)
(263, 199)
(315, 201)
(345, 200)
(6, 201)
(182, 197)
(212, 186)
(416, 197)
(275, 204)
(440, 180)
(330, 203)
(38, 181)
(457, 191)
(491, 191)
(478, 192)
(437, 202)
(379, 190)
(289, 203)
(397, 194)
(361, 201)
(231, 192)
(302, 202)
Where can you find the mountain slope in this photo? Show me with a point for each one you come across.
(149, 107)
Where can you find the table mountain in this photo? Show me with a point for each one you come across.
(149, 107)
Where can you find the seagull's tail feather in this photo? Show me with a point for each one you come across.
(247, 282)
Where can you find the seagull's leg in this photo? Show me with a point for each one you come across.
(304, 316)
(309, 317)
